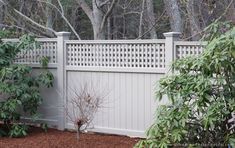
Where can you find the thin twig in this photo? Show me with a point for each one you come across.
(155, 24)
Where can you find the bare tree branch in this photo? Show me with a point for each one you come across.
(85, 8)
(219, 18)
(128, 5)
(27, 18)
(13, 26)
(141, 19)
(154, 25)
(61, 7)
(33, 22)
(108, 14)
(61, 12)
(104, 3)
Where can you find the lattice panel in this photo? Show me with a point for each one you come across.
(137, 55)
(188, 50)
(46, 49)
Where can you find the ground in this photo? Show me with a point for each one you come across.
(58, 139)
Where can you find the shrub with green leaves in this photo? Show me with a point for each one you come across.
(202, 97)
(19, 88)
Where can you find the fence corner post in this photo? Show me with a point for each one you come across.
(61, 56)
(169, 48)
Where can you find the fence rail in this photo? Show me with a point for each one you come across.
(127, 69)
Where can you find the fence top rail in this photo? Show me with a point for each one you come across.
(192, 43)
(157, 41)
(37, 39)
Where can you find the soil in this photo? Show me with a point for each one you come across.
(37, 138)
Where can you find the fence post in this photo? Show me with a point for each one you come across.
(61, 56)
(169, 48)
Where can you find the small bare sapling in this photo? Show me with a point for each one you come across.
(83, 106)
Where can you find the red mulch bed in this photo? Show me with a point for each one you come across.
(58, 139)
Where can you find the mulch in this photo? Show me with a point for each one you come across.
(37, 138)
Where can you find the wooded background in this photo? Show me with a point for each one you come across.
(113, 19)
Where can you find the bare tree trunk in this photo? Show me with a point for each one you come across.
(19, 20)
(123, 22)
(141, 19)
(97, 20)
(204, 14)
(97, 17)
(123, 28)
(49, 17)
(151, 19)
(73, 18)
(173, 12)
(231, 11)
(1, 15)
(109, 30)
(49, 22)
(115, 28)
(193, 20)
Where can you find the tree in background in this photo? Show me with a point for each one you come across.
(98, 14)
(173, 11)
(114, 19)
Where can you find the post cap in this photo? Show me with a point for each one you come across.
(63, 33)
(172, 34)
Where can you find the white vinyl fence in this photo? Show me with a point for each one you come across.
(126, 72)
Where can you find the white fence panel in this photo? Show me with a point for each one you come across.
(129, 105)
(49, 110)
(127, 71)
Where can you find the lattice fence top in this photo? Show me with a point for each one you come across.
(127, 55)
(184, 49)
(120, 54)
(47, 48)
